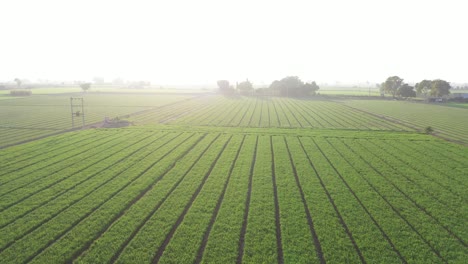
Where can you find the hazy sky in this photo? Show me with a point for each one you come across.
(182, 42)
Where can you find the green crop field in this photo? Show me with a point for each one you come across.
(214, 179)
(254, 195)
(267, 112)
(447, 122)
(31, 117)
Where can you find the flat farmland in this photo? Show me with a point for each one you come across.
(165, 194)
(447, 122)
(40, 115)
(265, 111)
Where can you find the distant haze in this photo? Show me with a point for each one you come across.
(198, 42)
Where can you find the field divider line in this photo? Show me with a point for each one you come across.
(246, 110)
(344, 121)
(163, 107)
(261, 111)
(218, 206)
(232, 107)
(78, 200)
(291, 109)
(407, 196)
(388, 202)
(55, 172)
(82, 218)
(312, 113)
(362, 120)
(169, 236)
(361, 203)
(211, 115)
(85, 247)
(253, 112)
(94, 139)
(276, 112)
(229, 123)
(206, 113)
(318, 247)
(296, 107)
(206, 107)
(157, 206)
(285, 112)
(247, 206)
(340, 217)
(84, 180)
(279, 244)
(268, 111)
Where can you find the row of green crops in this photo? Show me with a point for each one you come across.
(267, 112)
(156, 194)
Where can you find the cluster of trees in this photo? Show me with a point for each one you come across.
(245, 87)
(293, 86)
(395, 86)
(288, 86)
(437, 88)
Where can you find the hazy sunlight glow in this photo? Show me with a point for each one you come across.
(198, 42)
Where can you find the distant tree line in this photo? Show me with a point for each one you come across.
(288, 86)
(395, 86)
(20, 92)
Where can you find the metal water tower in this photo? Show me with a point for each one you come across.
(77, 110)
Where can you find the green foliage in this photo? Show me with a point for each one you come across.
(440, 88)
(85, 86)
(20, 92)
(406, 91)
(392, 85)
(293, 86)
(428, 130)
(424, 87)
(164, 193)
(35, 116)
(225, 88)
(18, 82)
(448, 121)
(436, 88)
(228, 178)
(245, 87)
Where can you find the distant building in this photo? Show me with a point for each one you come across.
(460, 95)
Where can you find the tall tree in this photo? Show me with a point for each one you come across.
(276, 86)
(424, 87)
(440, 88)
(18, 82)
(392, 85)
(85, 86)
(245, 87)
(310, 88)
(291, 85)
(406, 91)
(224, 87)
